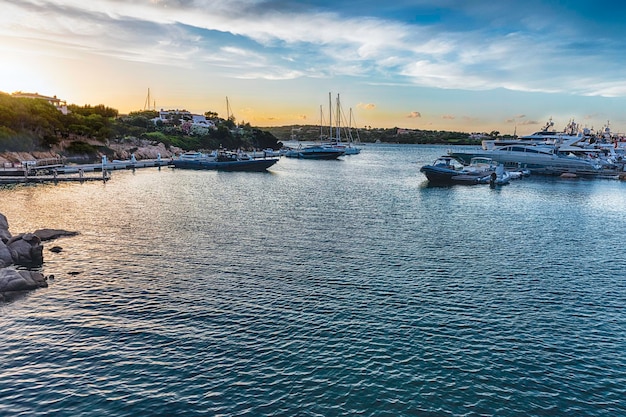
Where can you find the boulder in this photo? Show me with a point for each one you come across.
(5, 235)
(49, 234)
(14, 280)
(26, 250)
(5, 255)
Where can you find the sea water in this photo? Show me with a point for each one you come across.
(320, 288)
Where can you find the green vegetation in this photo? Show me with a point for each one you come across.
(28, 125)
(35, 125)
(371, 135)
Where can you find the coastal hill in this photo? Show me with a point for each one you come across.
(35, 127)
(372, 135)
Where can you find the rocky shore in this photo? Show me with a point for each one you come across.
(21, 255)
(122, 149)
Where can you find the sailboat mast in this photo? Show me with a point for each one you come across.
(330, 116)
(321, 123)
(338, 121)
(146, 105)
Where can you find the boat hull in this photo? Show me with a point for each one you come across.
(317, 152)
(439, 175)
(254, 165)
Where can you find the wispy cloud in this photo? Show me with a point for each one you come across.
(414, 115)
(529, 50)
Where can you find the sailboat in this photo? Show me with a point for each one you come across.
(335, 140)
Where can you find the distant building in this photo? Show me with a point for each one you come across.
(166, 116)
(183, 116)
(59, 104)
(404, 131)
(479, 136)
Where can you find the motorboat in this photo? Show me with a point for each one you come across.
(547, 135)
(193, 156)
(447, 170)
(547, 159)
(315, 152)
(225, 161)
(442, 170)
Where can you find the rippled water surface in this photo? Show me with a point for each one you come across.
(322, 288)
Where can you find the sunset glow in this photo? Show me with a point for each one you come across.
(434, 65)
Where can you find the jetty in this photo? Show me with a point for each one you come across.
(56, 170)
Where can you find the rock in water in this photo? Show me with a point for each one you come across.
(49, 234)
(5, 235)
(26, 250)
(5, 255)
(14, 280)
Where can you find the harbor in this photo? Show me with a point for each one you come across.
(245, 294)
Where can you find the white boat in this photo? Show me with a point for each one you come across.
(500, 176)
(194, 156)
(538, 159)
(547, 135)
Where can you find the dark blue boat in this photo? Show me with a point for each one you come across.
(225, 161)
(316, 152)
(442, 170)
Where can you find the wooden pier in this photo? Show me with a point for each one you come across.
(52, 171)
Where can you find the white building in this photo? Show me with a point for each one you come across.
(183, 116)
(59, 104)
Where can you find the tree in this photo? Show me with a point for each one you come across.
(211, 115)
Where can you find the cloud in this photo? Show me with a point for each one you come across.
(276, 40)
(366, 106)
(529, 122)
(414, 115)
(448, 117)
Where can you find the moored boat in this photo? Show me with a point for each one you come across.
(225, 161)
(446, 170)
(442, 170)
(315, 152)
(539, 159)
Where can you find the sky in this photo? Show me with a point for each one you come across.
(465, 65)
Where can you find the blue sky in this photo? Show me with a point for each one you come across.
(441, 65)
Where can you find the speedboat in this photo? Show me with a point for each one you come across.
(442, 170)
(447, 170)
(225, 161)
(315, 152)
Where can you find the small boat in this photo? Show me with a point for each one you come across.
(500, 176)
(225, 161)
(193, 156)
(446, 170)
(315, 152)
(442, 170)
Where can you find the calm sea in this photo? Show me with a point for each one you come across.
(321, 288)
